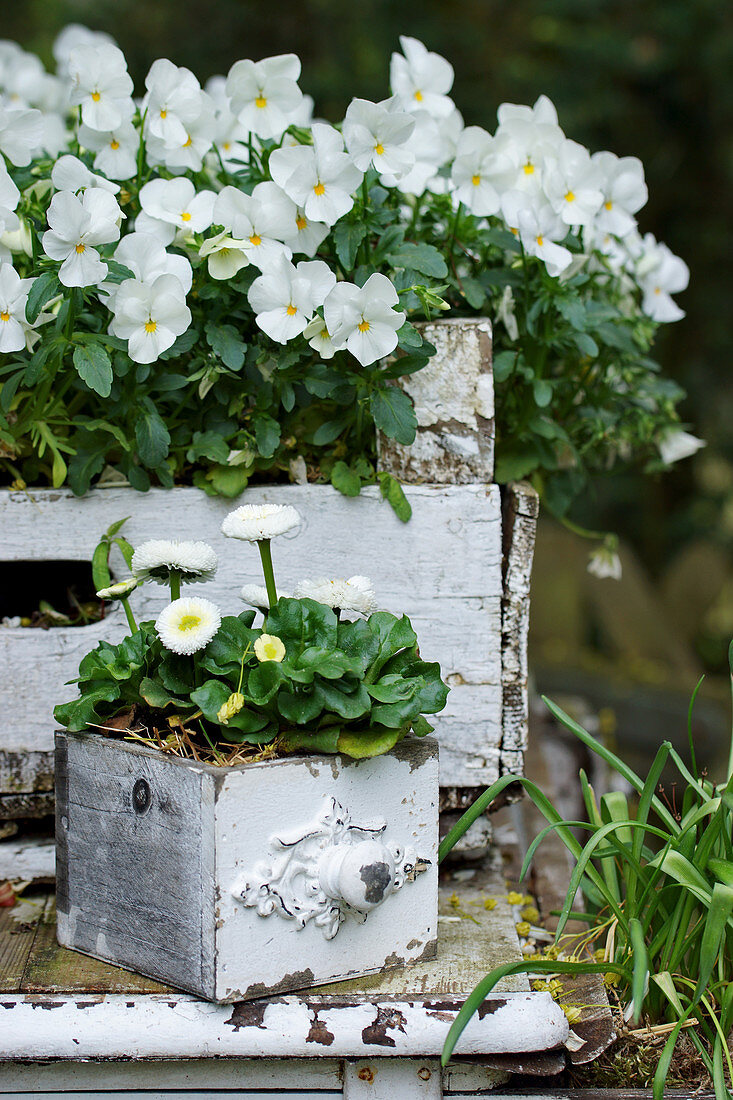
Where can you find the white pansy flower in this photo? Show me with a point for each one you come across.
(505, 313)
(21, 133)
(14, 327)
(171, 104)
(539, 229)
(482, 171)
(661, 274)
(376, 134)
(421, 80)
(320, 178)
(624, 192)
(264, 94)
(120, 590)
(101, 86)
(533, 136)
(77, 225)
(430, 151)
(286, 297)
(18, 240)
(149, 316)
(71, 174)
(147, 258)
(156, 559)
(355, 594)
(189, 154)
(177, 205)
(257, 522)
(73, 35)
(9, 199)
(319, 338)
(116, 150)
(224, 255)
(257, 225)
(294, 229)
(255, 595)
(55, 135)
(677, 444)
(605, 563)
(571, 182)
(363, 319)
(230, 137)
(187, 625)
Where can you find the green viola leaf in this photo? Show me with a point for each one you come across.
(226, 344)
(394, 494)
(300, 707)
(347, 236)
(394, 414)
(264, 682)
(94, 367)
(423, 258)
(151, 435)
(345, 479)
(370, 742)
(347, 705)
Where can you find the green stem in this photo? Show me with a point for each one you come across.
(730, 755)
(130, 617)
(175, 583)
(583, 531)
(265, 554)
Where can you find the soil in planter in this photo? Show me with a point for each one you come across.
(49, 594)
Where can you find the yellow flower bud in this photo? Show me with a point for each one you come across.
(269, 647)
(233, 705)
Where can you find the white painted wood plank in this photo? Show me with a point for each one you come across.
(393, 1079)
(165, 1026)
(27, 860)
(189, 1075)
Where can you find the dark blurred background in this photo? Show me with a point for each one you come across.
(645, 77)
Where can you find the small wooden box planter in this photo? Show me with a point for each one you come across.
(237, 883)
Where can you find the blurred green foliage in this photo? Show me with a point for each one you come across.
(643, 77)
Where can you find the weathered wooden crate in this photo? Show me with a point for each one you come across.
(459, 569)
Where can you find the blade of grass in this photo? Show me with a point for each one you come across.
(690, 740)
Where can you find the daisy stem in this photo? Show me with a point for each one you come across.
(263, 546)
(130, 617)
(175, 583)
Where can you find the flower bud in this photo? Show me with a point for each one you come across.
(233, 705)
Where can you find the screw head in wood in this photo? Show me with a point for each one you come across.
(141, 796)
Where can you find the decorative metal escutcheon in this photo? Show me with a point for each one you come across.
(330, 871)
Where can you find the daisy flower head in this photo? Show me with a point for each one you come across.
(255, 595)
(187, 625)
(269, 647)
(120, 590)
(355, 594)
(156, 559)
(256, 522)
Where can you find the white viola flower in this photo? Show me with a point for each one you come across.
(482, 171)
(116, 150)
(319, 178)
(71, 174)
(605, 562)
(431, 152)
(661, 274)
(355, 594)
(101, 85)
(73, 35)
(9, 199)
(363, 319)
(149, 316)
(156, 559)
(55, 135)
(265, 94)
(224, 255)
(677, 444)
(77, 225)
(13, 298)
(147, 258)
(257, 225)
(171, 104)
(376, 134)
(19, 240)
(571, 182)
(291, 225)
(319, 338)
(286, 297)
(177, 205)
(21, 134)
(189, 154)
(506, 314)
(230, 137)
(533, 136)
(255, 595)
(539, 229)
(187, 625)
(624, 192)
(420, 79)
(257, 522)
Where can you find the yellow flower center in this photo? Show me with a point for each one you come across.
(608, 205)
(255, 239)
(540, 241)
(379, 149)
(185, 216)
(514, 231)
(570, 197)
(164, 114)
(476, 180)
(301, 222)
(529, 169)
(261, 101)
(187, 142)
(291, 310)
(150, 326)
(96, 97)
(418, 96)
(657, 290)
(114, 144)
(4, 316)
(227, 146)
(81, 248)
(187, 622)
(319, 188)
(363, 326)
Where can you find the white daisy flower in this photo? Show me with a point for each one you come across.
(355, 594)
(156, 559)
(187, 625)
(256, 522)
(120, 590)
(255, 595)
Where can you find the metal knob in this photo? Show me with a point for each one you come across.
(362, 875)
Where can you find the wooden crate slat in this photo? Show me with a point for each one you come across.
(18, 927)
